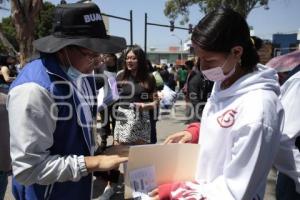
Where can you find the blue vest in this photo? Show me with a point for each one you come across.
(69, 137)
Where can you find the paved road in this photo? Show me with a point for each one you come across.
(170, 122)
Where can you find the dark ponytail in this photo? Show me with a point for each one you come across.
(221, 30)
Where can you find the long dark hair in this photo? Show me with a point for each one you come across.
(142, 74)
(222, 29)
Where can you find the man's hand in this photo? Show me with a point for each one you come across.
(179, 137)
(103, 162)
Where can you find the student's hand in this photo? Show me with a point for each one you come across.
(154, 194)
(179, 137)
(103, 162)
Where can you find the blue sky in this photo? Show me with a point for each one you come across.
(283, 16)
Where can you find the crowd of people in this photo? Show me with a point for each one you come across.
(236, 110)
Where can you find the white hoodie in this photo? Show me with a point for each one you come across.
(239, 137)
(288, 157)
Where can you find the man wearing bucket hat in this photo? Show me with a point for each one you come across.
(51, 109)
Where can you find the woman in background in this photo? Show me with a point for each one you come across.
(137, 90)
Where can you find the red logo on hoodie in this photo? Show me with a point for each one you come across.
(227, 119)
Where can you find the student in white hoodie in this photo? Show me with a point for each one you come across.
(288, 158)
(242, 120)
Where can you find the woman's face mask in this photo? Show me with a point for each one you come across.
(217, 73)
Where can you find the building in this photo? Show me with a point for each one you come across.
(285, 43)
(172, 55)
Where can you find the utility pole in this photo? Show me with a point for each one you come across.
(181, 45)
(171, 26)
(116, 17)
(125, 19)
(145, 41)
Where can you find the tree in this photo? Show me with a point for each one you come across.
(174, 8)
(8, 40)
(42, 28)
(44, 21)
(5, 45)
(24, 13)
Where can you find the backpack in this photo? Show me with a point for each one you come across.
(158, 80)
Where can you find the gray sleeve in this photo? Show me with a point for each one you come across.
(32, 118)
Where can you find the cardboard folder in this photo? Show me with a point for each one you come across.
(172, 162)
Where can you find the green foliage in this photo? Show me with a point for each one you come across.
(44, 22)
(43, 26)
(175, 8)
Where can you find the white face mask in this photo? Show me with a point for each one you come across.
(72, 72)
(217, 74)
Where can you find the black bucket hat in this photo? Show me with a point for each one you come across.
(79, 24)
